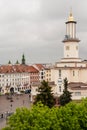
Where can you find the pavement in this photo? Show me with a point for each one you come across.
(9, 106)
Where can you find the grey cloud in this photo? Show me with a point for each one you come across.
(37, 28)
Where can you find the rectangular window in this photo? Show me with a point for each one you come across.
(73, 73)
(59, 73)
(77, 93)
(41, 73)
(59, 88)
(47, 74)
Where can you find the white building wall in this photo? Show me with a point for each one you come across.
(15, 80)
(78, 94)
(72, 75)
(71, 64)
(71, 50)
(83, 75)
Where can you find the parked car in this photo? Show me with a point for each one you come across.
(27, 91)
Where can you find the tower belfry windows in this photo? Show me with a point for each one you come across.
(70, 41)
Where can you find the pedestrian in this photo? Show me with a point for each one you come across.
(1, 115)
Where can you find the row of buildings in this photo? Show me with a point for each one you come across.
(21, 76)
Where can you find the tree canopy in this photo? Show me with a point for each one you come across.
(72, 116)
(45, 95)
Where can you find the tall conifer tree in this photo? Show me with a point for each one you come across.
(66, 96)
(45, 94)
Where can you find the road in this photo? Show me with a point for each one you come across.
(6, 106)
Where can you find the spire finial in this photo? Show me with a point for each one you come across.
(70, 16)
(71, 11)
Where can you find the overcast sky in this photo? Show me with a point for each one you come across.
(37, 28)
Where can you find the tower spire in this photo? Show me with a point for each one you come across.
(71, 27)
(23, 59)
(70, 18)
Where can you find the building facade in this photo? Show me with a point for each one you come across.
(14, 77)
(19, 77)
(70, 66)
(40, 68)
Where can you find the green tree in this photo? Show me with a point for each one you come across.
(66, 96)
(67, 117)
(39, 117)
(82, 114)
(23, 59)
(72, 116)
(45, 95)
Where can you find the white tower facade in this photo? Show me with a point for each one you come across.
(71, 66)
(71, 42)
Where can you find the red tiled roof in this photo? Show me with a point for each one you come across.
(77, 86)
(17, 68)
(32, 69)
(39, 66)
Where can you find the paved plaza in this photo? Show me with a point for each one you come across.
(9, 106)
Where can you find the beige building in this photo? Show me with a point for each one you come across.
(70, 66)
(47, 74)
